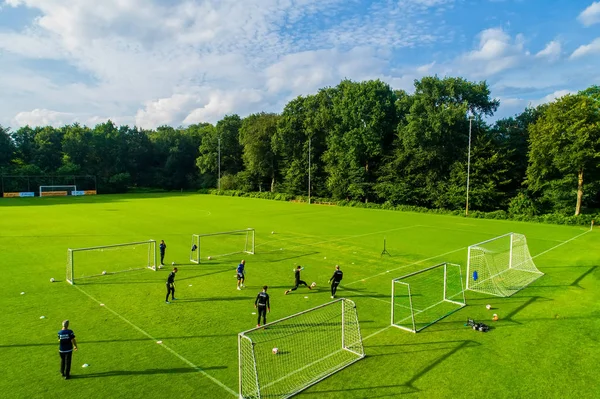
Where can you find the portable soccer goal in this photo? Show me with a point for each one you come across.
(86, 263)
(282, 358)
(221, 244)
(501, 266)
(53, 191)
(424, 297)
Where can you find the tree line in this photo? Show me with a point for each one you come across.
(363, 141)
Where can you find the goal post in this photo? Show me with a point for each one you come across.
(85, 263)
(282, 358)
(221, 244)
(57, 190)
(501, 266)
(424, 297)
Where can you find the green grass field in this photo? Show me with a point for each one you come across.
(544, 345)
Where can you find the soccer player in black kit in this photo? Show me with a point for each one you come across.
(298, 281)
(262, 304)
(163, 248)
(171, 285)
(338, 275)
(66, 347)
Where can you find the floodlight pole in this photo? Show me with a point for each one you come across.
(219, 162)
(309, 145)
(468, 167)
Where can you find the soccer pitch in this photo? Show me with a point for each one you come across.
(544, 345)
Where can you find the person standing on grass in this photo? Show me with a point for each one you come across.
(66, 346)
(163, 248)
(298, 280)
(338, 275)
(171, 285)
(240, 274)
(263, 305)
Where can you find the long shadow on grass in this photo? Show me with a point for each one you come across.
(212, 299)
(575, 283)
(407, 387)
(117, 373)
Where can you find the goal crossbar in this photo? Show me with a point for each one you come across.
(198, 249)
(440, 292)
(300, 364)
(141, 259)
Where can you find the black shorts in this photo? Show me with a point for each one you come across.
(240, 276)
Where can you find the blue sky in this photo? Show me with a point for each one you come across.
(178, 62)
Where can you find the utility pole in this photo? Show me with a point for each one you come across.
(219, 161)
(468, 167)
(309, 145)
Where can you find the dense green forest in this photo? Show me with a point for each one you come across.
(367, 142)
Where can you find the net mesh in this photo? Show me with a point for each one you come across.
(310, 346)
(422, 298)
(501, 266)
(85, 265)
(221, 245)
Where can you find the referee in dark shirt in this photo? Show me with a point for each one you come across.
(163, 248)
(263, 305)
(171, 285)
(335, 280)
(66, 346)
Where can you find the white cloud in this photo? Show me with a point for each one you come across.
(497, 52)
(551, 97)
(551, 52)
(43, 117)
(590, 15)
(220, 103)
(164, 111)
(587, 49)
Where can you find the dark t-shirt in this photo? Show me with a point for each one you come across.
(65, 337)
(337, 276)
(162, 248)
(262, 300)
(171, 278)
(297, 274)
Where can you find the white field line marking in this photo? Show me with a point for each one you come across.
(213, 379)
(404, 266)
(541, 253)
(350, 237)
(562, 243)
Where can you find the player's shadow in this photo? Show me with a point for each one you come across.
(211, 299)
(118, 373)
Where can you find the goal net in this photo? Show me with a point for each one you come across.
(422, 298)
(501, 266)
(221, 244)
(287, 356)
(86, 263)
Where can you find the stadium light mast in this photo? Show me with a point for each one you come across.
(468, 165)
(309, 145)
(219, 162)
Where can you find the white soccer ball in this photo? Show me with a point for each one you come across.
(272, 232)
(172, 263)
(313, 284)
(209, 258)
(159, 266)
(104, 272)
(52, 280)
(488, 307)
(275, 351)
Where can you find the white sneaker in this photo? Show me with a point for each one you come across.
(239, 289)
(242, 285)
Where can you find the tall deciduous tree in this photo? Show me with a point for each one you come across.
(7, 147)
(256, 135)
(565, 149)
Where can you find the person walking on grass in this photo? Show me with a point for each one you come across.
(335, 280)
(298, 281)
(171, 285)
(66, 346)
(263, 305)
